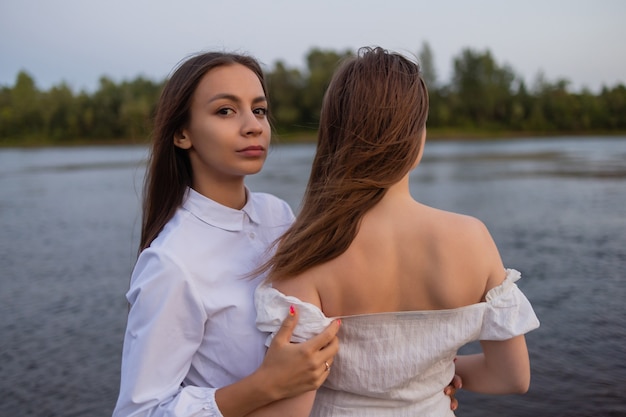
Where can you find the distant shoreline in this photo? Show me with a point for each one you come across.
(310, 137)
(460, 135)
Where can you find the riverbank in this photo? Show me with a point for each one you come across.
(434, 134)
(441, 134)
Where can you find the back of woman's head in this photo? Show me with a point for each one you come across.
(373, 115)
(371, 125)
(169, 170)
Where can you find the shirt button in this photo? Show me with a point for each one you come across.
(252, 235)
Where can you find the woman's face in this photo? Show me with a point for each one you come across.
(228, 134)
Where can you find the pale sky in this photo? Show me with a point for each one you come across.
(78, 41)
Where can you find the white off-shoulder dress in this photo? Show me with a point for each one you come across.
(397, 364)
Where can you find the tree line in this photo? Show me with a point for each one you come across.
(482, 98)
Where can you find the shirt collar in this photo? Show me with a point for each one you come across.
(218, 215)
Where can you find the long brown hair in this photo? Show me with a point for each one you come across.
(169, 170)
(372, 119)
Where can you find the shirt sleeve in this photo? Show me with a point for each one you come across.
(272, 307)
(165, 328)
(508, 313)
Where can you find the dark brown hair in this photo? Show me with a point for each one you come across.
(169, 170)
(373, 115)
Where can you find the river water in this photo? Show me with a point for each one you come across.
(69, 227)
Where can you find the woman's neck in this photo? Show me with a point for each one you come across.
(399, 189)
(227, 193)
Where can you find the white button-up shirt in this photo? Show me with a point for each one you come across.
(191, 325)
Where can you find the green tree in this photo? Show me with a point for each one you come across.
(483, 89)
(427, 62)
(521, 105)
(107, 104)
(285, 89)
(558, 106)
(60, 114)
(25, 101)
(7, 127)
(613, 101)
(439, 111)
(137, 107)
(321, 65)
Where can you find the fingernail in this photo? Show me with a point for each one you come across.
(339, 322)
(292, 311)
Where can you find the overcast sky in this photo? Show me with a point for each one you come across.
(78, 41)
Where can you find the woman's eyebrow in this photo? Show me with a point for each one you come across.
(235, 98)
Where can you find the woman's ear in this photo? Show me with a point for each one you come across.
(181, 140)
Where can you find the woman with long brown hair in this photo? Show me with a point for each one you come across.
(191, 346)
(411, 283)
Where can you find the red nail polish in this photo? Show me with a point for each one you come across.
(339, 322)
(292, 311)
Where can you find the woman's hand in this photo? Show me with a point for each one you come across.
(296, 368)
(289, 370)
(451, 389)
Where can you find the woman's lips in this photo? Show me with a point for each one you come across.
(252, 151)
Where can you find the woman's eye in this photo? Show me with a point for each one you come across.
(260, 111)
(225, 111)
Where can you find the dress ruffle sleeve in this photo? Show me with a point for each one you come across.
(272, 307)
(508, 312)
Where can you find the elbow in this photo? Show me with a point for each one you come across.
(515, 381)
(520, 385)
(521, 389)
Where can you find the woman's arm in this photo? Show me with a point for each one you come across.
(290, 372)
(299, 406)
(502, 368)
(165, 328)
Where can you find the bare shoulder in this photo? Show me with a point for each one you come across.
(470, 242)
(462, 225)
(302, 287)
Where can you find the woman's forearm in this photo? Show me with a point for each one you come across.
(299, 406)
(502, 368)
(245, 396)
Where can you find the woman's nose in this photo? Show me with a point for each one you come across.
(252, 125)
